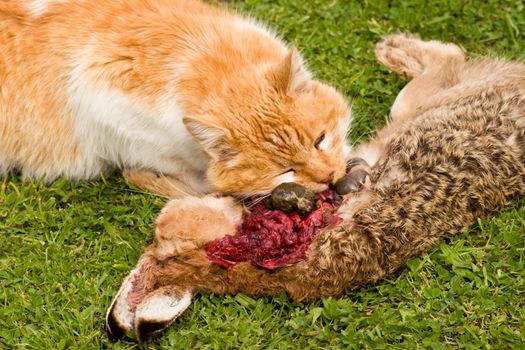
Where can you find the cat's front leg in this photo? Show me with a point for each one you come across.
(168, 186)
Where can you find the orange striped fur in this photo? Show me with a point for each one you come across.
(176, 87)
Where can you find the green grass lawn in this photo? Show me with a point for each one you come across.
(66, 248)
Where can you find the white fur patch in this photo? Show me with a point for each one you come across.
(327, 143)
(371, 155)
(37, 8)
(117, 129)
(343, 128)
(159, 307)
(347, 149)
(287, 177)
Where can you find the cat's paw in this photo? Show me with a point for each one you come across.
(404, 53)
(357, 176)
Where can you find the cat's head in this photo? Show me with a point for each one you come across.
(273, 125)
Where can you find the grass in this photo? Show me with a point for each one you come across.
(66, 248)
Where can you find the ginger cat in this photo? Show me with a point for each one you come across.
(184, 97)
(453, 152)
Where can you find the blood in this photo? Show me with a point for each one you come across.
(271, 238)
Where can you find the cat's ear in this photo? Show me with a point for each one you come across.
(290, 76)
(213, 139)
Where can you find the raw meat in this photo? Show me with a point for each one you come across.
(271, 238)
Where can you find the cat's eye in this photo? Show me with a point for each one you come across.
(319, 140)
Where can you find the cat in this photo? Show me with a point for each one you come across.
(185, 97)
(454, 151)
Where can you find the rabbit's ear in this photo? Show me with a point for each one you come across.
(160, 309)
(142, 308)
(121, 313)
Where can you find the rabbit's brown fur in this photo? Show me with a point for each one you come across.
(454, 151)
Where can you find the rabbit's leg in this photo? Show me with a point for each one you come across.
(190, 223)
(145, 303)
(433, 66)
(144, 306)
(405, 54)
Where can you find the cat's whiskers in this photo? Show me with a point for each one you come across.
(255, 201)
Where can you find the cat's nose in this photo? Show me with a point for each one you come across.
(329, 179)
